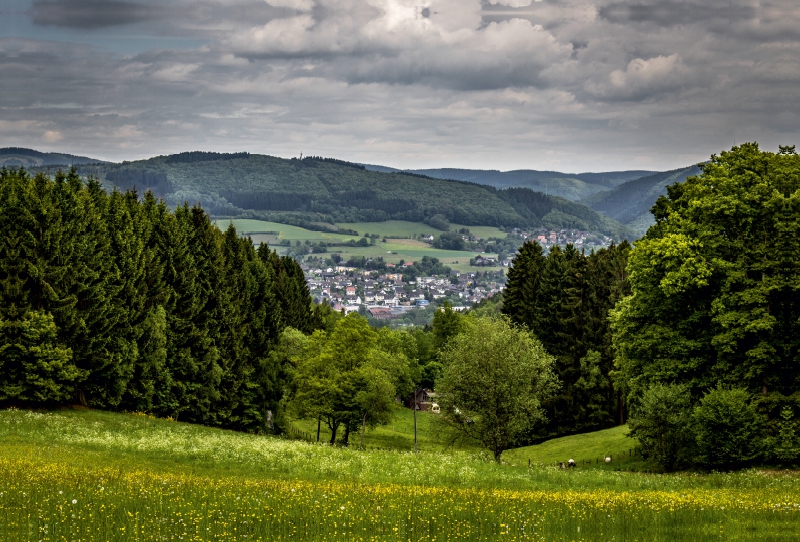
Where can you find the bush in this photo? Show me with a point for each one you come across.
(661, 423)
(439, 222)
(728, 430)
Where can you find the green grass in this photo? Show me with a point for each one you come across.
(585, 447)
(392, 251)
(88, 475)
(398, 435)
(403, 228)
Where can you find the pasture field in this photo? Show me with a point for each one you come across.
(392, 251)
(584, 447)
(87, 475)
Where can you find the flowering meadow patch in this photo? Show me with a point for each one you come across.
(53, 488)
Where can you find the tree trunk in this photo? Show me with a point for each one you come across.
(346, 438)
(319, 423)
(334, 429)
(363, 426)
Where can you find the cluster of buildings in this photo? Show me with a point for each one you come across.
(563, 237)
(388, 296)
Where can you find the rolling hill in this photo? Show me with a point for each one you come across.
(630, 203)
(317, 191)
(15, 157)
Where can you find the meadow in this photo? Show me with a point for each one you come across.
(392, 251)
(88, 475)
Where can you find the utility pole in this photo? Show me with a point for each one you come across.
(415, 420)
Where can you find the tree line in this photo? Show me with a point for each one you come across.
(115, 301)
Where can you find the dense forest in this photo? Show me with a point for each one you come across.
(114, 301)
(564, 297)
(319, 190)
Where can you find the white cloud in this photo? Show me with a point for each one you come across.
(51, 136)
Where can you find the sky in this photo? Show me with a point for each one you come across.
(567, 85)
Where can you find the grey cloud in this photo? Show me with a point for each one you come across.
(92, 14)
(377, 81)
(670, 13)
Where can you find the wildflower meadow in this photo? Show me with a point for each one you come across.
(85, 476)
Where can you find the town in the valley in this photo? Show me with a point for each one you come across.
(390, 291)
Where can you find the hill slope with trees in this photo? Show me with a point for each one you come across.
(571, 186)
(630, 202)
(16, 156)
(323, 190)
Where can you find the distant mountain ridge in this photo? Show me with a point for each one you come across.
(630, 203)
(571, 186)
(17, 156)
(317, 189)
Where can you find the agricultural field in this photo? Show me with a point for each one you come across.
(88, 475)
(392, 251)
(402, 228)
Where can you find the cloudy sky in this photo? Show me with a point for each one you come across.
(571, 85)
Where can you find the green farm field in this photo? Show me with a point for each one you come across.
(392, 251)
(85, 475)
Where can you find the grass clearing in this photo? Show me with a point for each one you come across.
(87, 475)
(398, 435)
(584, 447)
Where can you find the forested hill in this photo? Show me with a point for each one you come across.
(317, 190)
(16, 156)
(571, 186)
(630, 203)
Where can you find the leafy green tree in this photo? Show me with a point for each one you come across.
(728, 430)
(447, 323)
(714, 283)
(660, 420)
(336, 371)
(495, 379)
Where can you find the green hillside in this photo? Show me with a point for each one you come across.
(584, 447)
(630, 203)
(325, 191)
(570, 186)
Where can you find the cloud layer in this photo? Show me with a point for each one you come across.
(557, 84)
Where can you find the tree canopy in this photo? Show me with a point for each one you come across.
(715, 284)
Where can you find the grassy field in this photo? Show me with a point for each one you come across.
(392, 251)
(399, 228)
(588, 447)
(86, 475)
(398, 435)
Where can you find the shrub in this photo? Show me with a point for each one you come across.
(728, 430)
(661, 422)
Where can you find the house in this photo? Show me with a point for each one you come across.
(381, 313)
(421, 399)
(352, 299)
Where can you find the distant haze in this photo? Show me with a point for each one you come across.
(564, 85)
